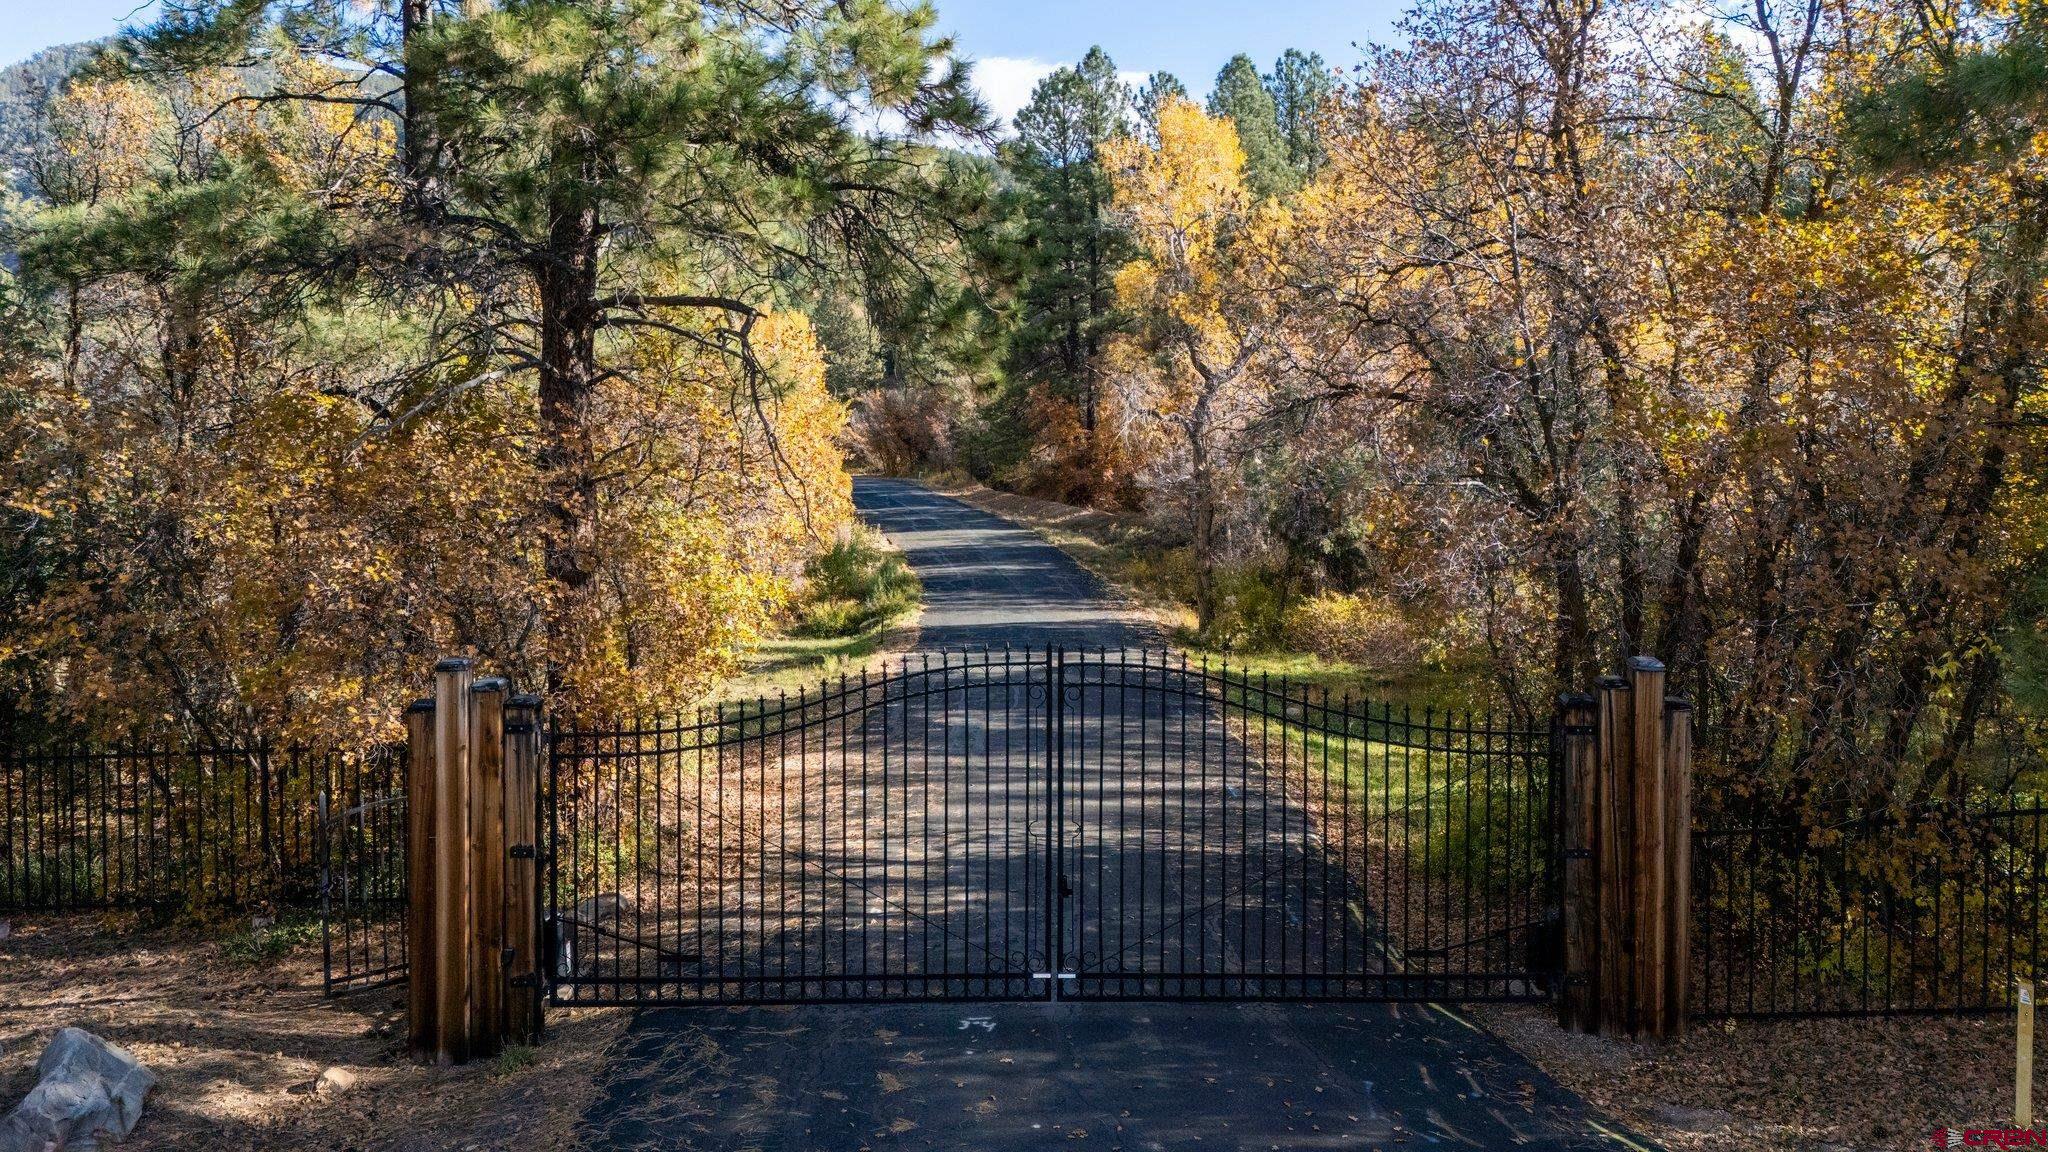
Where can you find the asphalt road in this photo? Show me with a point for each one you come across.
(1031, 1077)
(989, 583)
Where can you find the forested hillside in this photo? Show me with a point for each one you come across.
(541, 329)
(26, 90)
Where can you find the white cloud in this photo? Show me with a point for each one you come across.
(1006, 82)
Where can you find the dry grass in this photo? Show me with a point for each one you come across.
(237, 1044)
(1809, 1085)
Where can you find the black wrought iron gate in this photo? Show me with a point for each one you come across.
(1050, 824)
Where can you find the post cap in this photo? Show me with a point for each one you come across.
(424, 705)
(1645, 664)
(454, 664)
(1574, 700)
(524, 700)
(490, 684)
(1616, 683)
(1678, 704)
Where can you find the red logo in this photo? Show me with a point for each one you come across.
(1945, 1138)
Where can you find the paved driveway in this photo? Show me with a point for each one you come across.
(1004, 1077)
(988, 1077)
(990, 583)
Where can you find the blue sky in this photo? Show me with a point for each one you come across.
(1016, 43)
(28, 26)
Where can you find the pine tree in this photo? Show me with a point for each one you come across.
(1241, 96)
(1159, 88)
(1070, 247)
(584, 172)
(1299, 85)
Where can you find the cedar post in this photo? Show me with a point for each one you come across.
(1678, 854)
(1627, 768)
(1612, 839)
(1646, 689)
(522, 868)
(419, 875)
(449, 944)
(487, 866)
(1579, 1005)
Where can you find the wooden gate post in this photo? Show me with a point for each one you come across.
(1627, 836)
(1646, 690)
(448, 947)
(419, 875)
(1578, 1006)
(522, 869)
(472, 923)
(1612, 841)
(487, 866)
(1678, 854)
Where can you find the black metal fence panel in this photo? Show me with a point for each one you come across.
(1235, 837)
(363, 882)
(881, 838)
(1010, 825)
(1936, 911)
(91, 827)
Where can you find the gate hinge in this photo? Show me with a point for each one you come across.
(518, 729)
(527, 981)
(1577, 979)
(520, 852)
(1569, 729)
(1578, 853)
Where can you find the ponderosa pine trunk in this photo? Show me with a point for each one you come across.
(566, 279)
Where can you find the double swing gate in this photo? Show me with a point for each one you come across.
(1050, 825)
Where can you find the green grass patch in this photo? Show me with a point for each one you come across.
(853, 586)
(1304, 671)
(855, 595)
(251, 945)
(513, 1058)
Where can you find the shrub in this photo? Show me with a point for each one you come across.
(1360, 627)
(1250, 609)
(898, 431)
(852, 586)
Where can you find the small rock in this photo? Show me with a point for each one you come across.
(259, 921)
(334, 1082)
(5, 929)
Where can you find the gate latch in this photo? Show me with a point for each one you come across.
(1066, 889)
(520, 852)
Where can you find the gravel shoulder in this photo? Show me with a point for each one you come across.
(1809, 1085)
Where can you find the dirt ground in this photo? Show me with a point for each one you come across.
(237, 1043)
(1810, 1085)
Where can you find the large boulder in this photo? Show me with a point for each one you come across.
(88, 1091)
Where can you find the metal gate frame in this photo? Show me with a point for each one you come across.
(1463, 909)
